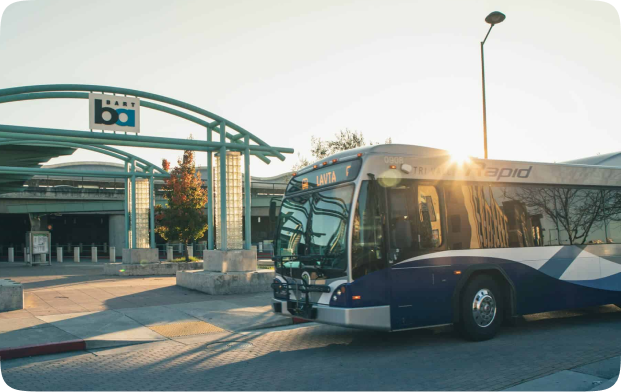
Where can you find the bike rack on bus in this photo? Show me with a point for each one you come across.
(306, 311)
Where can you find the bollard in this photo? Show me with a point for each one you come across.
(112, 254)
(169, 253)
(94, 254)
(59, 254)
(191, 250)
(76, 254)
(11, 255)
(26, 256)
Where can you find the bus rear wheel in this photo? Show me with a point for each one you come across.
(481, 308)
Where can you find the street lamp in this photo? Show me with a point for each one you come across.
(493, 19)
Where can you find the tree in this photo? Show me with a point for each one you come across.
(345, 140)
(184, 220)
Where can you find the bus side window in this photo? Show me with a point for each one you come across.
(368, 252)
(402, 211)
(429, 230)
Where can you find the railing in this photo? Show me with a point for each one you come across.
(103, 251)
(264, 251)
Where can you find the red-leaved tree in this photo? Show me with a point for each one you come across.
(184, 220)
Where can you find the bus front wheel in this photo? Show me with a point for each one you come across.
(481, 308)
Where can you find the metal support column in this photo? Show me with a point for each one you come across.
(223, 231)
(210, 193)
(125, 206)
(133, 246)
(484, 105)
(152, 210)
(247, 222)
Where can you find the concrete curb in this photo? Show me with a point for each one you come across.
(82, 345)
(42, 349)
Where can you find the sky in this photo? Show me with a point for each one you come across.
(288, 70)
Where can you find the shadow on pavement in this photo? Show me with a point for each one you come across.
(333, 358)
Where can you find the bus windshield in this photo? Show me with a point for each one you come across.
(312, 229)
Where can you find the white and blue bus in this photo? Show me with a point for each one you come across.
(397, 237)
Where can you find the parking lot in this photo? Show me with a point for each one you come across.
(319, 357)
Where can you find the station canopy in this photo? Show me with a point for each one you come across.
(28, 156)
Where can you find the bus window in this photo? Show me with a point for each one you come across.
(368, 239)
(401, 201)
(414, 221)
(526, 215)
(429, 229)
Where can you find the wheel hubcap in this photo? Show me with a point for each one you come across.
(484, 308)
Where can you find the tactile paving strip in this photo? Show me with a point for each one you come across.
(175, 330)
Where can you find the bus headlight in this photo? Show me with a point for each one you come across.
(280, 289)
(339, 298)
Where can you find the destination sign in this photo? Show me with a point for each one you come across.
(325, 176)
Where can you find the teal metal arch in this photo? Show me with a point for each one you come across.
(147, 104)
(214, 123)
(103, 149)
(21, 93)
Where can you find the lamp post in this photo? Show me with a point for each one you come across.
(493, 19)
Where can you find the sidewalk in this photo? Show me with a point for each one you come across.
(73, 306)
(597, 376)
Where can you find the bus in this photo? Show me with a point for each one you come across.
(398, 237)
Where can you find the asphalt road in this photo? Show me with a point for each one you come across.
(319, 357)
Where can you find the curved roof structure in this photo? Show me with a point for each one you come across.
(29, 156)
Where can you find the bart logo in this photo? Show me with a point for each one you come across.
(114, 113)
(120, 117)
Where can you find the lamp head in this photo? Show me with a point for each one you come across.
(495, 18)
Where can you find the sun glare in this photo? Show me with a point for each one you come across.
(459, 158)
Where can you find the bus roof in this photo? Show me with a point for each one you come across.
(399, 149)
(436, 164)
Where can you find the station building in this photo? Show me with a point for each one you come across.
(86, 212)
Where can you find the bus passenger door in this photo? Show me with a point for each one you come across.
(414, 229)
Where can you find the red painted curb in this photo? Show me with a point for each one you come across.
(299, 321)
(42, 349)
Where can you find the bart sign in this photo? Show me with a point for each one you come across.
(114, 113)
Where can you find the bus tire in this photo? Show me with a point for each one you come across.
(481, 308)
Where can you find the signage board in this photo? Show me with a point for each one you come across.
(324, 176)
(40, 244)
(114, 113)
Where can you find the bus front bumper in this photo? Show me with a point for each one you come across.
(373, 317)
